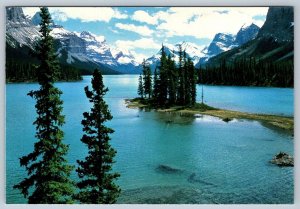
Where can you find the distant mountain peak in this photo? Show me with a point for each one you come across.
(246, 33)
(274, 41)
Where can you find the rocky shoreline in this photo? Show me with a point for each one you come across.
(282, 122)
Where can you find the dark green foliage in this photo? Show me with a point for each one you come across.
(17, 71)
(172, 80)
(97, 179)
(249, 72)
(191, 79)
(21, 66)
(147, 79)
(155, 84)
(163, 79)
(181, 77)
(47, 168)
(174, 85)
(141, 87)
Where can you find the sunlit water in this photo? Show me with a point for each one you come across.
(212, 161)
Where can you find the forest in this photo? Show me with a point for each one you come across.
(249, 72)
(173, 83)
(21, 71)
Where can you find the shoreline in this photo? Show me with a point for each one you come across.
(282, 122)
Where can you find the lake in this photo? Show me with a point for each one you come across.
(192, 160)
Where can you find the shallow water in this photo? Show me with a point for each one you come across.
(201, 160)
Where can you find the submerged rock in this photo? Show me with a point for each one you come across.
(169, 121)
(167, 169)
(193, 178)
(283, 159)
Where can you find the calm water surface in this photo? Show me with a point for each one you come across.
(212, 161)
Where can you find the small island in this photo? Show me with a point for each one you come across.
(282, 122)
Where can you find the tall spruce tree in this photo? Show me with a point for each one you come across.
(141, 87)
(47, 168)
(163, 78)
(191, 80)
(181, 77)
(156, 82)
(147, 79)
(172, 80)
(95, 172)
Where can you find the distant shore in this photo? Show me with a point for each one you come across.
(282, 122)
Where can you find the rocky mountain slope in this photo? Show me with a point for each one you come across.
(82, 50)
(223, 42)
(274, 41)
(87, 51)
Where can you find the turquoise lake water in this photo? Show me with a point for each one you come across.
(212, 161)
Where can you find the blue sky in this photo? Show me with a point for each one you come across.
(142, 30)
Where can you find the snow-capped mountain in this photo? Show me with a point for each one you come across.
(99, 51)
(246, 33)
(82, 49)
(193, 52)
(223, 42)
(124, 56)
(19, 30)
(87, 50)
(273, 42)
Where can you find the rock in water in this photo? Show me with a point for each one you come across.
(227, 120)
(283, 159)
(193, 178)
(168, 169)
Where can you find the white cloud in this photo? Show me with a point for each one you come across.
(143, 43)
(205, 22)
(85, 14)
(30, 11)
(142, 30)
(58, 15)
(139, 57)
(259, 23)
(143, 16)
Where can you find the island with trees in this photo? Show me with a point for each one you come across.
(172, 88)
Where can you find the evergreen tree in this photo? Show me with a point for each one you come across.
(141, 87)
(147, 79)
(155, 85)
(191, 82)
(47, 168)
(172, 80)
(163, 78)
(181, 78)
(97, 179)
(186, 80)
(249, 71)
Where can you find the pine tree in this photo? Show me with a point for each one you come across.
(172, 80)
(97, 179)
(47, 168)
(192, 82)
(163, 78)
(181, 78)
(141, 87)
(147, 79)
(156, 82)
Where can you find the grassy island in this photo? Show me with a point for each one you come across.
(282, 122)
